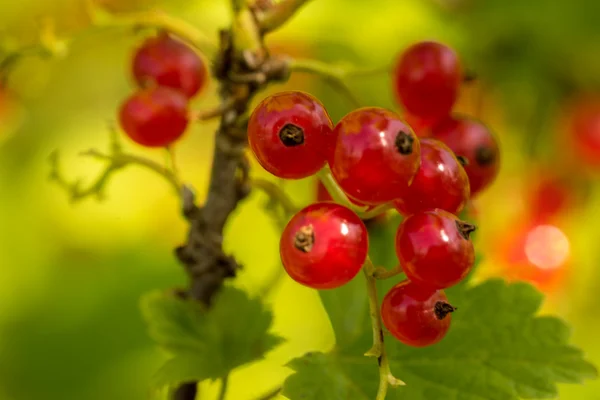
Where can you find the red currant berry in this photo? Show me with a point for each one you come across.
(324, 246)
(584, 129)
(376, 155)
(415, 315)
(169, 62)
(291, 134)
(154, 117)
(421, 127)
(434, 248)
(472, 140)
(441, 182)
(427, 79)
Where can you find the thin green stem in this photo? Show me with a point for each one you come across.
(361, 73)
(124, 159)
(382, 273)
(335, 76)
(278, 195)
(117, 160)
(224, 384)
(336, 193)
(172, 164)
(275, 192)
(153, 19)
(375, 211)
(378, 350)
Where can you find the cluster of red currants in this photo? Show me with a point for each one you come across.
(376, 158)
(168, 73)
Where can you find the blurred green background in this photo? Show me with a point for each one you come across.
(71, 275)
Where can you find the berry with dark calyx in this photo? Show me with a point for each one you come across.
(434, 248)
(417, 316)
(291, 134)
(324, 246)
(376, 155)
(441, 182)
(474, 141)
(166, 61)
(154, 117)
(427, 78)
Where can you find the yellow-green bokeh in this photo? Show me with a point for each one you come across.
(71, 275)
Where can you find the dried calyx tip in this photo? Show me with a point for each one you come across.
(442, 309)
(464, 161)
(485, 155)
(291, 135)
(305, 238)
(465, 229)
(404, 143)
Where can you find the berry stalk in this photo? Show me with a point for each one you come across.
(378, 350)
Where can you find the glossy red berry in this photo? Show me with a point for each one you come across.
(154, 117)
(472, 140)
(441, 182)
(324, 246)
(291, 134)
(434, 248)
(166, 61)
(415, 315)
(376, 155)
(427, 78)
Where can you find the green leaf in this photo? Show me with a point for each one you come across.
(207, 344)
(497, 349)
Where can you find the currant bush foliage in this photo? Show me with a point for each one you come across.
(497, 349)
(207, 344)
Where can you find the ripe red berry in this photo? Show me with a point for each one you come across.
(441, 182)
(291, 134)
(415, 315)
(427, 79)
(584, 129)
(376, 155)
(472, 140)
(434, 248)
(324, 246)
(167, 61)
(154, 117)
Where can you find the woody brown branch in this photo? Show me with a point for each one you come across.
(243, 67)
(202, 254)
